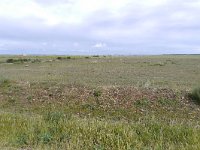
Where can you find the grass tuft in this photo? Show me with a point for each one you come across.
(54, 117)
(97, 93)
(4, 82)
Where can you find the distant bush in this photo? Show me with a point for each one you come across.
(195, 95)
(20, 60)
(95, 56)
(9, 60)
(59, 58)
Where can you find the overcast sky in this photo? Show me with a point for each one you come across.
(99, 26)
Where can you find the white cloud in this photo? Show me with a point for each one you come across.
(99, 45)
(23, 9)
(121, 24)
(70, 11)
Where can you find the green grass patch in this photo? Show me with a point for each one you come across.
(77, 133)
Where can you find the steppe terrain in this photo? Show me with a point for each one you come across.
(99, 102)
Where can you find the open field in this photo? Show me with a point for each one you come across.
(99, 102)
(177, 72)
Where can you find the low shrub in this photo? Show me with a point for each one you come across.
(95, 56)
(59, 58)
(195, 95)
(63, 58)
(10, 60)
(97, 93)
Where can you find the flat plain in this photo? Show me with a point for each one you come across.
(99, 102)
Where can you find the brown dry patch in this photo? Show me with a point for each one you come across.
(110, 97)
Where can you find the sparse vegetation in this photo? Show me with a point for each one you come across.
(36, 61)
(114, 103)
(4, 82)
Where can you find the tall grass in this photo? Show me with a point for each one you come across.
(4, 82)
(58, 131)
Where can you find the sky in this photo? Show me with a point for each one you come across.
(87, 27)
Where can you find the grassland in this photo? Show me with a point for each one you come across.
(99, 102)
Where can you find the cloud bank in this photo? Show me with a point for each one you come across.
(99, 27)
